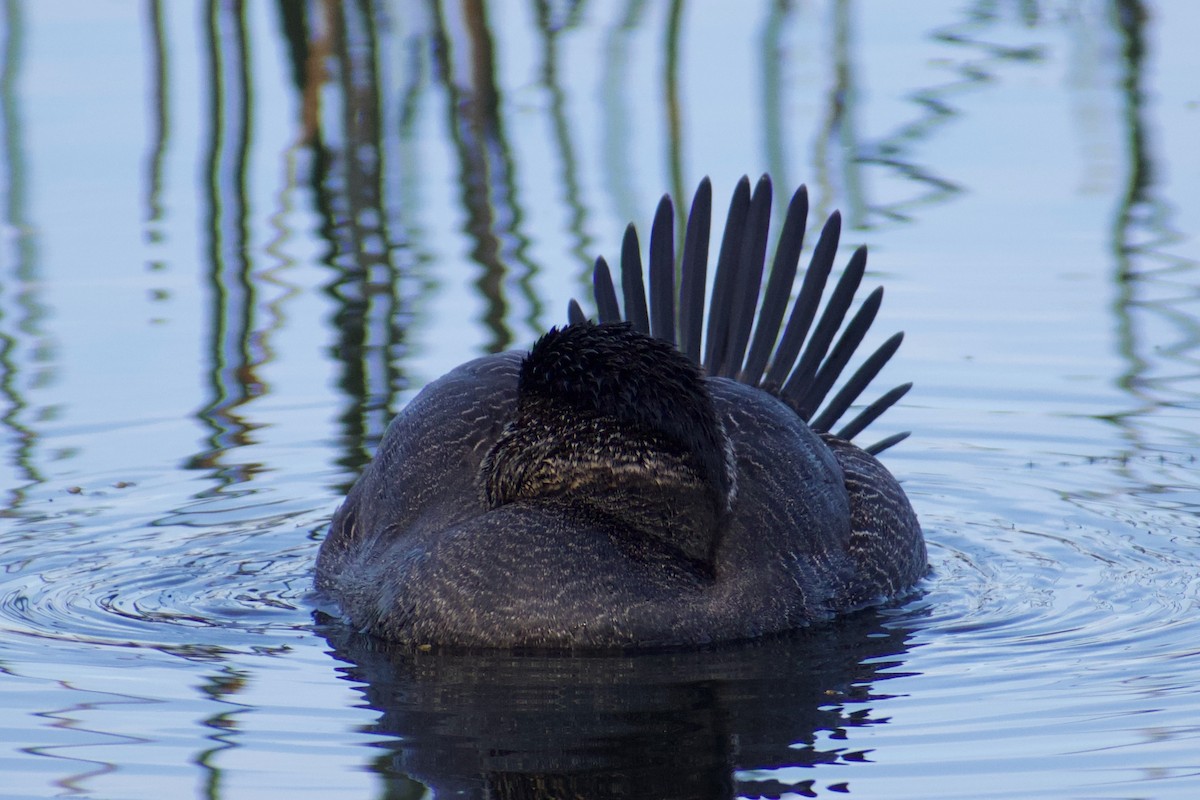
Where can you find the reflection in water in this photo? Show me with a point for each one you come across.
(671, 105)
(335, 57)
(160, 117)
(360, 87)
(21, 310)
(364, 183)
(1158, 330)
(84, 741)
(617, 143)
(838, 142)
(465, 58)
(667, 725)
(551, 25)
(982, 56)
(221, 687)
(233, 350)
(1134, 209)
(773, 53)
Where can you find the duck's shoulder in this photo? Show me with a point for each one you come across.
(464, 409)
(426, 465)
(484, 384)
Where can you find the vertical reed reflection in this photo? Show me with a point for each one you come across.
(774, 55)
(22, 312)
(838, 147)
(465, 59)
(348, 180)
(233, 355)
(551, 26)
(335, 57)
(223, 688)
(159, 114)
(1129, 20)
(671, 101)
(619, 121)
(1153, 287)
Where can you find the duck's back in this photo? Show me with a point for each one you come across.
(415, 555)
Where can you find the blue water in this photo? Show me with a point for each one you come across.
(237, 239)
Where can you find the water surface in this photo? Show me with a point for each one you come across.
(237, 238)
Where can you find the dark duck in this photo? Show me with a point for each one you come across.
(633, 483)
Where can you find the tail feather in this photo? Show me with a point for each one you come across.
(606, 293)
(858, 382)
(827, 326)
(738, 343)
(831, 368)
(747, 280)
(722, 296)
(886, 442)
(662, 271)
(779, 286)
(694, 271)
(632, 287)
(575, 314)
(807, 302)
(871, 413)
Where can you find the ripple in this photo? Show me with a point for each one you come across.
(1058, 635)
(186, 589)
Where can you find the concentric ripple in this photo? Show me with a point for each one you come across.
(172, 584)
(1063, 639)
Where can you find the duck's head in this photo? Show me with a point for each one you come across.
(621, 424)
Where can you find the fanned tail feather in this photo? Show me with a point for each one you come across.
(662, 272)
(799, 369)
(633, 289)
(693, 275)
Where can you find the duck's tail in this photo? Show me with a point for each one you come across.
(738, 345)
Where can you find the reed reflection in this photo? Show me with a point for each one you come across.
(774, 54)
(234, 349)
(334, 51)
(464, 54)
(551, 22)
(1155, 289)
(617, 143)
(160, 117)
(224, 688)
(668, 725)
(364, 183)
(26, 349)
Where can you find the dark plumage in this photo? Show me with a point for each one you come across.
(606, 490)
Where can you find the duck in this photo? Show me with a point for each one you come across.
(666, 475)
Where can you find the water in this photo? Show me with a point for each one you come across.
(236, 242)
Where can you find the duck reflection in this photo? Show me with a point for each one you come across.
(707, 724)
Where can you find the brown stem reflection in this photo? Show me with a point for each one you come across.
(465, 64)
(356, 125)
(335, 59)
